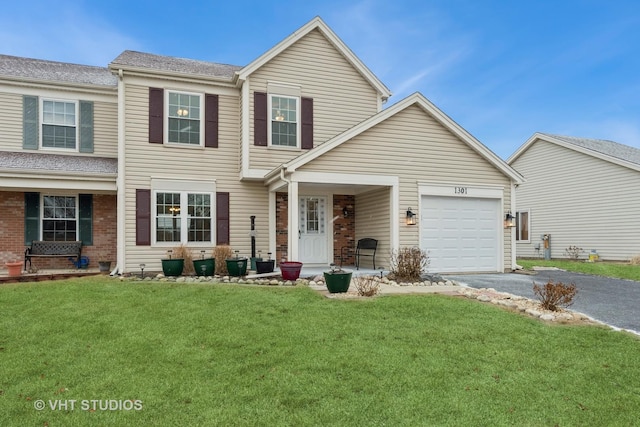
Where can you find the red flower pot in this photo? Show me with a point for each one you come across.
(290, 270)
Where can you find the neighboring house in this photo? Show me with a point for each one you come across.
(298, 139)
(582, 192)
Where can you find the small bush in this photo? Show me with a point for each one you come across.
(367, 286)
(221, 253)
(408, 264)
(555, 295)
(184, 252)
(573, 252)
(635, 260)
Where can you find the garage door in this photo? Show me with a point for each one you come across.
(460, 234)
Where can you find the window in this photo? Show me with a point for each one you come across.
(59, 124)
(184, 121)
(182, 217)
(284, 121)
(59, 218)
(522, 226)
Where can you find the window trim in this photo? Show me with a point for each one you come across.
(77, 213)
(298, 99)
(165, 118)
(41, 123)
(519, 228)
(184, 224)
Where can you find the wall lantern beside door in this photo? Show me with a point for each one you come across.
(509, 220)
(411, 217)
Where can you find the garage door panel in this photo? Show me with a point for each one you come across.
(460, 234)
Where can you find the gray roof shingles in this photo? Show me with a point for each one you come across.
(57, 163)
(130, 58)
(603, 146)
(51, 71)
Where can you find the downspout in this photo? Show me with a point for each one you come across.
(120, 181)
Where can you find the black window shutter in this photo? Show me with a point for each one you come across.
(31, 217)
(85, 202)
(30, 119)
(306, 116)
(222, 218)
(211, 121)
(156, 108)
(143, 217)
(260, 114)
(86, 127)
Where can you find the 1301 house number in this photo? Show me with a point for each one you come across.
(461, 190)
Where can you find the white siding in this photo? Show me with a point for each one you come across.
(145, 160)
(342, 98)
(416, 148)
(580, 200)
(372, 220)
(11, 122)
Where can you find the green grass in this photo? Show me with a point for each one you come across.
(618, 270)
(264, 356)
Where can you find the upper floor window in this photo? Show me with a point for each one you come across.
(184, 118)
(59, 123)
(522, 226)
(284, 121)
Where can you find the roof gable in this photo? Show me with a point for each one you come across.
(316, 24)
(420, 101)
(610, 151)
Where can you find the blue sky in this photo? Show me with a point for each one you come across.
(501, 69)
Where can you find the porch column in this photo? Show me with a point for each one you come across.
(272, 223)
(294, 222)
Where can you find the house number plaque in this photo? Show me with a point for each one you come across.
(461, 190)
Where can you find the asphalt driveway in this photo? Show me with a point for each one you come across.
(615, 302)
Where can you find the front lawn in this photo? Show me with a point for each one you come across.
(620, 270)
(202, 354)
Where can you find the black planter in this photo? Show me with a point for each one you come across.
(267, 266)
(209, 265)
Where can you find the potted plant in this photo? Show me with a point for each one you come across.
(172, 266)
(266, 266)
(14, 268)
(337, 279)
(204, 266)
(237, 266)
(254, 260)
(290, 270)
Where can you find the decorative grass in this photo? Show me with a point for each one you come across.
(618, 270)
(244, 355)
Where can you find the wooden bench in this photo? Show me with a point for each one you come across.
(46, 249)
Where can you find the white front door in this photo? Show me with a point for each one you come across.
(312, 233)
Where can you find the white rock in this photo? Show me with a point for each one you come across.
(484, 298)
(532, 312)
(548, 317)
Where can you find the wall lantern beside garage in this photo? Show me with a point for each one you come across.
(411, 217)
(509, 220)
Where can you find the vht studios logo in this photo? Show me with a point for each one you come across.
(88, 405)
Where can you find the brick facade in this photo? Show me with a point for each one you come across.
(104, 232)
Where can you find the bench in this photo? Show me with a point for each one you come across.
(46, 249)
(366, 247)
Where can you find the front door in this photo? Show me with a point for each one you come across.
(312, 233)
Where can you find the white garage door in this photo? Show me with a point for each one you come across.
(460, 234)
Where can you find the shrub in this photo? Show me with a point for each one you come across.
(573, 252)
(635, 260)
(553, 295)
(221, 253)
(183, 252)
(367, 286)
(408, 264)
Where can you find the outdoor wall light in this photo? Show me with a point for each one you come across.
(411, 217)
(509, 220)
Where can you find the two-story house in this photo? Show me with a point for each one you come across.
(298, 139)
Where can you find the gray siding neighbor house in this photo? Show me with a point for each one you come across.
(582, 192)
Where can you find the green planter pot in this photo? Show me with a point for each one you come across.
(209, 265)
(254, 260)
(237, 266)
(172, 267)
(337, 282)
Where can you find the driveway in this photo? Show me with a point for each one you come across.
(615, 302)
